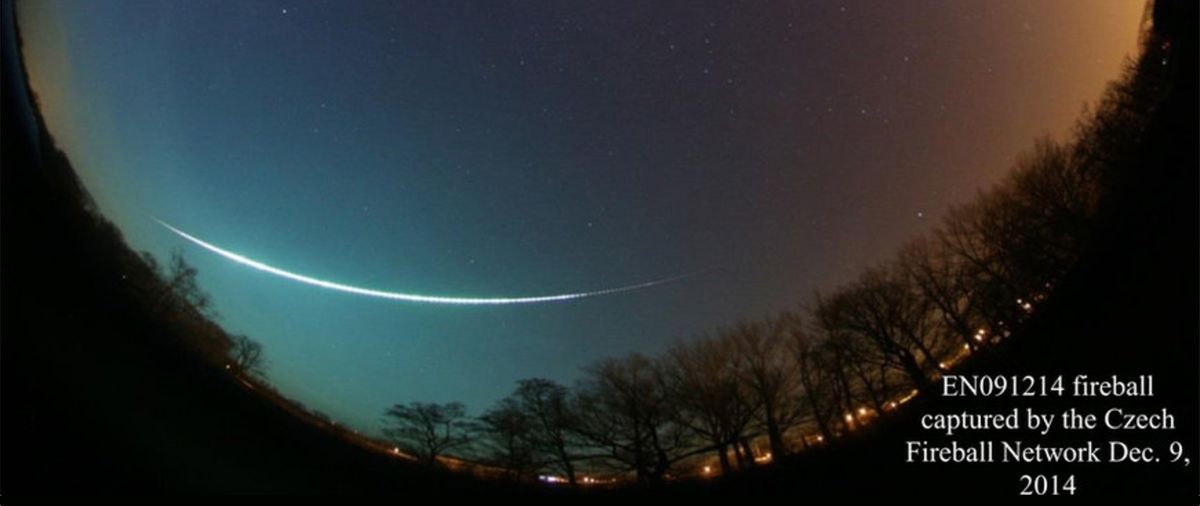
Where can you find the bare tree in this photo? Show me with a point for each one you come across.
(180, 285)
(506, 438)
(964, 236)
(864, 371)
(247, 355)
(1057, 200)
(1014, 242)
(947, 282)
(625, 414)
(708, 396)
(770, 374)
(547, 407)
(883, 309)
(428, 430)
(840, 387)
(811, 369)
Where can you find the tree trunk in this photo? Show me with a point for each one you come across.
(811, 396)
(774, 435)
(814, 406)
(745, 444)
(914, 370)
(847, 399)
(662, 463)
(723, 455)
(569, 469)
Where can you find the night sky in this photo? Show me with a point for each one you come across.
(510, 149)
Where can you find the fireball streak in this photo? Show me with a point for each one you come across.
(410, 297)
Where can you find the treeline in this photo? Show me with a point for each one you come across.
(168, 295)
(175, 294)
(760, 390)
(171, 298)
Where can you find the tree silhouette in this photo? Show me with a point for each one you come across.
(882, 309)
(180, 288)
(625, 413)
(247, 355)
(947, 282)
(812, 369)
(707, 396)
(771, 377)
(505, 436)
(865, 371)
(428, 430)
(552, 420)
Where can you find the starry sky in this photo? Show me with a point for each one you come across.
(514, 148)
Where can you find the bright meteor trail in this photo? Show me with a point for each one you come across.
(410, 297)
